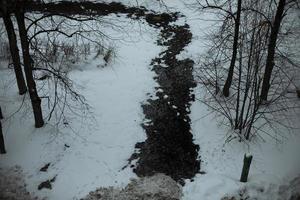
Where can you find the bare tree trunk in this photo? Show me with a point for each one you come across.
(2, 146)
(35, 99)
(234, 51)
(1, 114)
(14, 51)
(237, 108)
(271, 50)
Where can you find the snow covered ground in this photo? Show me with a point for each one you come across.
(99, 147)
(93, 153)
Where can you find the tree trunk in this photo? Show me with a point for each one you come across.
(2, 146)
(271, 50)
(14, 51)
(1, 114)
(35, 99)
(234, 51)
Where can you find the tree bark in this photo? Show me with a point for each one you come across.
(2, 146)
(271, 50)
(246, 168)
(1, 114)
(35, 99)
(234, 51)
(14, 51)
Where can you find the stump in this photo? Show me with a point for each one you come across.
(246, 167)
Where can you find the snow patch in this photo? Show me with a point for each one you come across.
(157, 187)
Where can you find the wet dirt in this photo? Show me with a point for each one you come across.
(169, 146)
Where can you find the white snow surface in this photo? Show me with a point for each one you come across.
(98, 152)
(99, 147)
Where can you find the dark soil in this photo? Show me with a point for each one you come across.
(47, 184)
(169, 146)
(45, 167)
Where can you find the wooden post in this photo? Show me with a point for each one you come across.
(246, 167)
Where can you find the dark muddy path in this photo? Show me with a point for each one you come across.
(169, 146)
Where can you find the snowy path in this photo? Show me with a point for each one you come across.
(114, 93)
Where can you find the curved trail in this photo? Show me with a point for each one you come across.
(169, 146)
